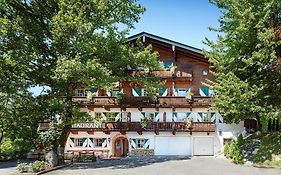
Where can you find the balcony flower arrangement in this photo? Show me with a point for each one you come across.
(144, 121)
(120, 97)
(90, 95)
(189, 96)
(188, 122)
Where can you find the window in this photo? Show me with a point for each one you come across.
(97, 142)
(205, 72)
(140, 143)
(110, 116)
(181, 116)
(206, 117)
(125, 116)
(81, 93)
(78, 142)
(182, 92)
(149, 115)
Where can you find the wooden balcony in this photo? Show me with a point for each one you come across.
(161, 126)
(131, 100)
(170, 101)
(156, 127)
(186, 74)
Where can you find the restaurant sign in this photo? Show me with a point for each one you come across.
(86, 125)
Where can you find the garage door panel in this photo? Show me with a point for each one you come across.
(203, 146)
(172, 145)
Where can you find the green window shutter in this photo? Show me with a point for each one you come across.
(168, 64)
(143, 114)
(187, 90)
(213, 116)
(204, 91)
(93, 89)
(175, 116)
(188, 114)
(163, 91)
(137, 92)
(157, 117)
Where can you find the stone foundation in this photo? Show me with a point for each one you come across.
(142, 152)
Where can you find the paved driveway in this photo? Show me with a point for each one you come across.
(164, 166)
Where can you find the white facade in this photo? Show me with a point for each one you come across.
(165, 143)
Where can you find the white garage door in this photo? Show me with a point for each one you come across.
(203, 146)
(172, 145)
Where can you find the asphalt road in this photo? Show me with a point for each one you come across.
(164, 166)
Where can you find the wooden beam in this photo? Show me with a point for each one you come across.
(139, 131)
(156, 131)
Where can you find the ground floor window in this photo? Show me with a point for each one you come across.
(140, 143)
(78, 142)
(98, 142)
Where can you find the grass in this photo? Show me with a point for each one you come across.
(269, 153)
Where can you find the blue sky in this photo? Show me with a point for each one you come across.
(184, 21)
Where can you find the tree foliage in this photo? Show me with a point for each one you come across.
(244, 55)
(65, 44)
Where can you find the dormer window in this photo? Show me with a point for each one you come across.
(205, 72)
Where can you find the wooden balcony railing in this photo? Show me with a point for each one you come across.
(137, 126)
(160, 101)
(130, 100)
(167, 74)
(161, 126)
(182, 101)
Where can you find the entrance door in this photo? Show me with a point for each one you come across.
(121, 147)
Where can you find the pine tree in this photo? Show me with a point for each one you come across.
(244, 55)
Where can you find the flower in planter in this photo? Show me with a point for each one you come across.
(144, 122)
(188, 122)
(189, 96)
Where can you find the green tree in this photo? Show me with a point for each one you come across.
(244, 54)
(64, 44)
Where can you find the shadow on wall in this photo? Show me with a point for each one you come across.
(125, 163)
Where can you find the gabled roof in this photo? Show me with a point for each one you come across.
(161, 39)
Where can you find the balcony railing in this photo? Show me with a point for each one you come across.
(166, 101)
(161, 126)
(167, 74)
(131, 100)
(137, 126)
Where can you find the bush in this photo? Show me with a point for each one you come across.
(240, 140)
(226, 150)
(235, 153)
(83, 158)
(32, 167)
(22, 167)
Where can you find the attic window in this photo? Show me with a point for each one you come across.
(205, 72)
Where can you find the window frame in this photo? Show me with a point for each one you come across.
(97, 142)
(77, 142)
(140, 143)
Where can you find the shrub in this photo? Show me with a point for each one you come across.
(32, 167)
(85, 157)
(240, 140)
(68, 156)
(226, 150)
(22, 167)
(235, 153)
